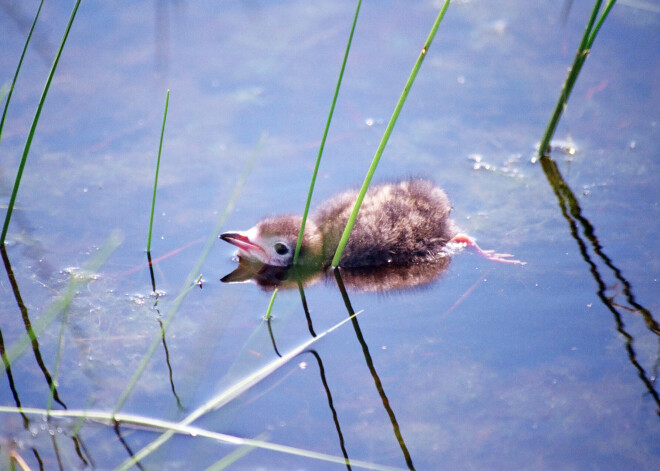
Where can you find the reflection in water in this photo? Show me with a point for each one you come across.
(28, 327)
(77, 442)
(372, 369)
(151, 274)
(271, 277)
(162, 331)
(572, 212)
(169, 365)
(126, 446)
(369, 279)
(331, 404)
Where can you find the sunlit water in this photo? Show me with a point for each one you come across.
(489, 367)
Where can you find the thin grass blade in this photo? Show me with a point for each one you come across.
(234, 456)
(229, 394)
(158, 424)
(160, 150)
(594, 31)
(33, 128)
(325, 135)
(588, 38)
(390, 126)
(18, 69)
(270, 304)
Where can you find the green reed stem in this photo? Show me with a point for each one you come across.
(18, 68)
(588, 38)
(386, 136)
(325, 135)
(160, 149)
(595, 30)
(28, 143)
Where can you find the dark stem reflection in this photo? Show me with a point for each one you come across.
(126, 445)
(269, 277)
(272, 338)
(10, 378)
(303, 299)
(572, 212)
(151, 273)
(77, 441)
(162, 331)
(372, 369)
(324, 380)
(28, 326)
(331, 404)
(169, 365)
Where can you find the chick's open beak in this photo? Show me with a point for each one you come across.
(241, 241)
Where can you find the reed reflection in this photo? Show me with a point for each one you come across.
(365, 279)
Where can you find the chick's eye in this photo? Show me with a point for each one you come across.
(281, 249)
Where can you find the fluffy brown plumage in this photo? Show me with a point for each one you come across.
(399, 223)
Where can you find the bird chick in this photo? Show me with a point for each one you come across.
(400, 223)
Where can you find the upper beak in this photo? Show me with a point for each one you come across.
(241, 241)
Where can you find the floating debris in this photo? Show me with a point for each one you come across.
(510, 166)
(159, 293)
(80, 274)
(566, 147)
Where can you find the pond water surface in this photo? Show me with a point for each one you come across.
(547, 366)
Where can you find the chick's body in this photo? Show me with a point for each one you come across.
(399, 223)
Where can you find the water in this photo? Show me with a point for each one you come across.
(490, 366)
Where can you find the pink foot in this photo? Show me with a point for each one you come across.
(467, 241)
